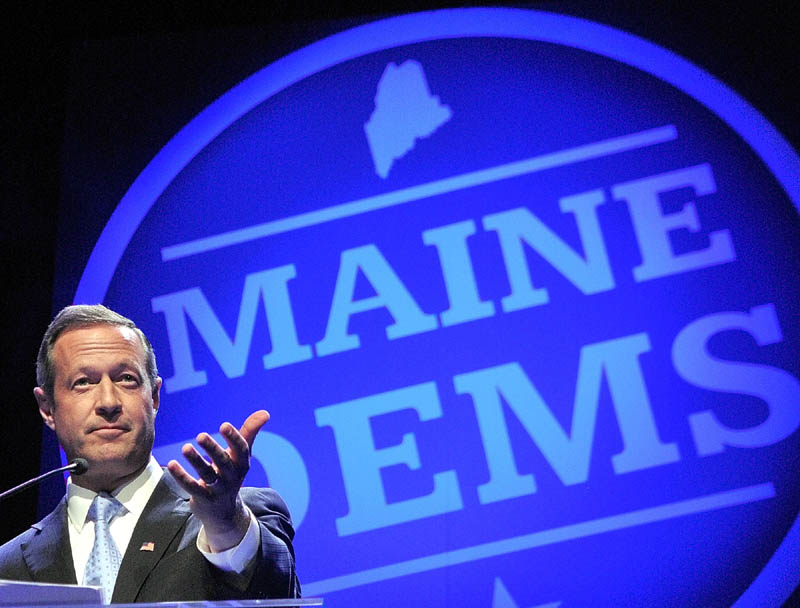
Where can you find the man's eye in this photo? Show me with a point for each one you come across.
(128, 378)
(82, 382)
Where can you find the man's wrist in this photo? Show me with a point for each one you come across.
(223, 537)
(238, 559)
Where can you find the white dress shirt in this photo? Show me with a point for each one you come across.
(134, 496)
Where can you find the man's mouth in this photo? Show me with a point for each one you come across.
(110, 430)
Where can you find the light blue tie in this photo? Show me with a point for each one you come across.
(104, 560)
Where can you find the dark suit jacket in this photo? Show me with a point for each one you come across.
(175, 569)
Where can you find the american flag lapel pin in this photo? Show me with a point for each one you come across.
(148, 546)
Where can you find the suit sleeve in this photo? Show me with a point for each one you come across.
(275, 561)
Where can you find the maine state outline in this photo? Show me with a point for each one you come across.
(405, 111)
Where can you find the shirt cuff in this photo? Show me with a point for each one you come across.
(237, 558)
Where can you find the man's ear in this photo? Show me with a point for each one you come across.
(45, 406)
(157, 394)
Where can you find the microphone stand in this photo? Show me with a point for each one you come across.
(77, 467)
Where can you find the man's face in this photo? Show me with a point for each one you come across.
(103, 405)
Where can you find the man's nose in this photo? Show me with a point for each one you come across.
(108, 402)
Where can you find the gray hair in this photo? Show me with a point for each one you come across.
(83, 315)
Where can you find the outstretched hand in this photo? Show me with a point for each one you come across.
(215, 495)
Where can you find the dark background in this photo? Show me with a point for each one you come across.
(111, 84)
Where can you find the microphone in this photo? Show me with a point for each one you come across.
(78, 466)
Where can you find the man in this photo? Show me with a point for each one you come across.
(172, 536)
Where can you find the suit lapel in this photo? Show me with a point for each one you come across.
(163, 517)
(48, 554)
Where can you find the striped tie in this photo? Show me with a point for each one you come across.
(104, 560)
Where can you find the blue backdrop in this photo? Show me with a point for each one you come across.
(519, 292)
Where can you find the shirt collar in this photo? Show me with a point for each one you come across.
(133, 495)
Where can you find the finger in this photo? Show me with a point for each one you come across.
(186, 481)
(205, 471)
(238, 448)
(219, 456)
(252, 425)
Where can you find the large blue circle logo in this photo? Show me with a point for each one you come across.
(517, 291)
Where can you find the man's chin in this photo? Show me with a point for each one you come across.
(109, 462)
